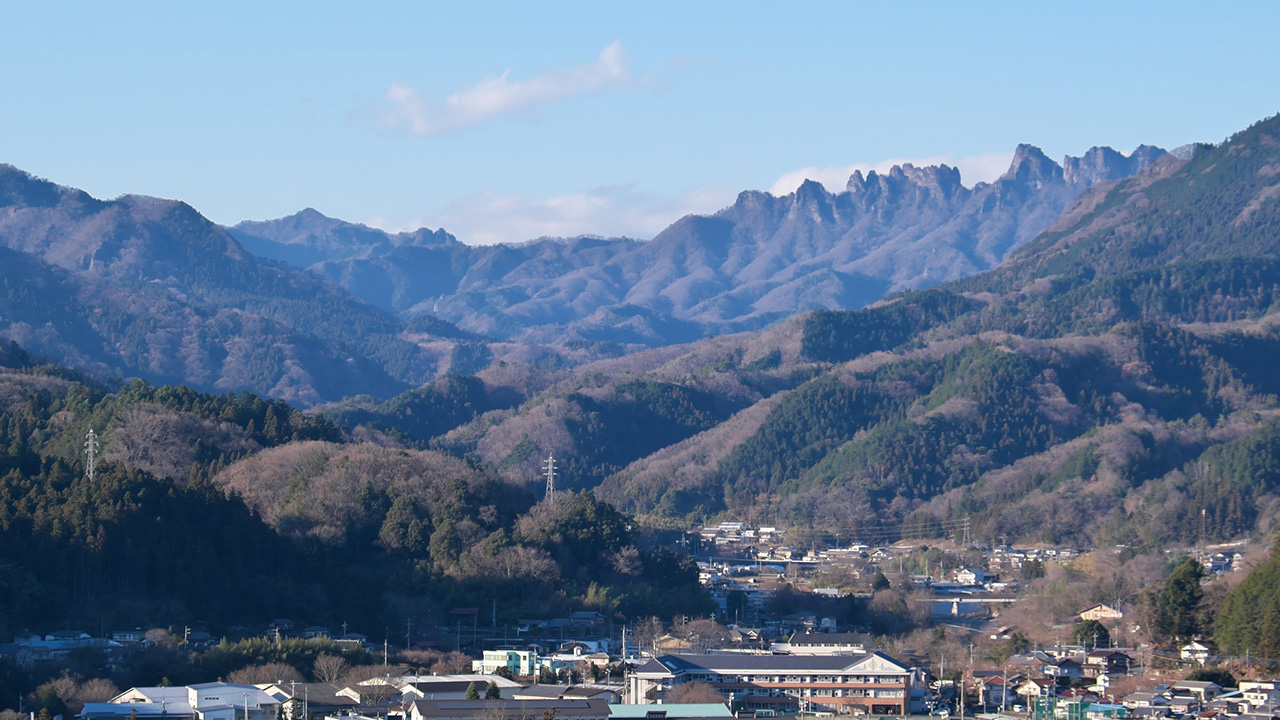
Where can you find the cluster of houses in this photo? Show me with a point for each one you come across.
(807, 673)
(1069, 672)
(30, 649)
(1252, 700)
(411, 697)
(768, 545)
(827, 675)
(533, 661)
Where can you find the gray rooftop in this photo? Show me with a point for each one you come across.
(730, 662)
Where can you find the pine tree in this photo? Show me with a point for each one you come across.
(1179, 601)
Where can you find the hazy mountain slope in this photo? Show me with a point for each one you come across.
(757, 261)
(149, 288)
(308, 237)
(1221, 203)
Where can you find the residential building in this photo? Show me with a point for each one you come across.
(1202, 690)
(312, 699)
(1260, 692)
(206, 701)
(1035, 688)
(1065, 670)
(609, 693)
(517, 661)
(971, 576)
(1195, 651)
(1102, 613)
(1111, 662)
(873, 683)
(824, 644)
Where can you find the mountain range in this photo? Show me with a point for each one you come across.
(145, 287)
(744, 267)
(1105, 383)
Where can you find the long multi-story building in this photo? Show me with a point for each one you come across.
(873, 683)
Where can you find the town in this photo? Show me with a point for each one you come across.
(798, 630)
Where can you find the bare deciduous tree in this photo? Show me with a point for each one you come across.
(331, 669)
(160, 637)
(96, 690)
(647, 632)
(452, 663)
(707, 634)
(693, 692)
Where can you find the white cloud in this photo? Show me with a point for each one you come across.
(973, 169)
(490, 218)
(406, 111)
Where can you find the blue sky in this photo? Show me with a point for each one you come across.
(502, 122)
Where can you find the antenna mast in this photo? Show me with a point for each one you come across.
(549, 469)
(91, 451)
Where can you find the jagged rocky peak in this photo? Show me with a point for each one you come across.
(1031, 166)
(811, 191)
(906, 180)
(751, 197)
(1145, 155)
(423, 237)
(943, 179)
(1102, 164)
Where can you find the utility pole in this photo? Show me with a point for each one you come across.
(549, 469)
(1203, 550)
(408, 633)
(91, 452)
(1004, 689)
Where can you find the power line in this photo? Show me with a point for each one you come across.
(926, 529)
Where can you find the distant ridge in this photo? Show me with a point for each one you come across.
(744, 267)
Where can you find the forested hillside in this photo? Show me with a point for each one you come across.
(231, 509)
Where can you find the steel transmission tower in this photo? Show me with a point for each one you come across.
(91, 452)
(549, 469)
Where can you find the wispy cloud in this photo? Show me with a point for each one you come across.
(973, 169)
(622, 210)
(408, 112)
